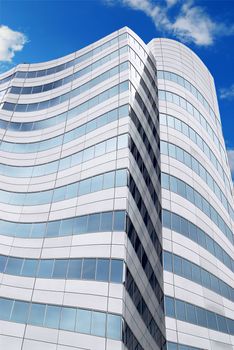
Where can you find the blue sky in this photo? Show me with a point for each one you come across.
(35, 31)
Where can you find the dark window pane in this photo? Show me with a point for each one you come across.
(20, 312)
(103, 268)
(14, 266)
(93, 223)
(116, 271)
(106, 221)
(205, 278)
(222, 325)
(166, 219)
(60, 268)
(80, 225)
(191, 314)
(37, 314)
(52, 316)
(180, 310)
(196, 273)
(187, 270)
(167, 261)
(74, 269)
(89, 269)
(53, 228)
(5, 308)
(3, 260)
(211, 320)
(177, 265)
(201, 317)
(175, 223)
(29, 268)
(45, 268)
(169, 307)
(119, 221)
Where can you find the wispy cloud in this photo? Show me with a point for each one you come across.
(187, 22)
(10, 42)
(227, 93)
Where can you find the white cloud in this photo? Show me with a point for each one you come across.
(227, 93)
(171, 2)
(193, 24)
(10, 42)
(188, 22)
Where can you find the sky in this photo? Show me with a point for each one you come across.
(34, 31)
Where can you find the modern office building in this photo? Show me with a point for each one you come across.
(103, 244)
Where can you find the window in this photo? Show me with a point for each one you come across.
(60, 268)
(80, 224)
(177, 265)
(93, 223)
(45, 268)
(37, 314)
(98, 324)
(201, 317)
(83, 321)
(14, 266)
(116, 271)
(109, 180)
(166, 219)
(68, 318)
(103, 267)
(119, 221)
(191, 313)
(29, 268)
(167, 261)
(74, 269)
(89, 269)
(180, 310)
(52, 316)
(113, 327)
(170, 307)
(5, 308)
(20, 312)
(211, 320)
(106, 221)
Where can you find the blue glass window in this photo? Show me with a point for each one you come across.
(116, 271)
(68, 318)
(74, 269)
(60, 268)
(5, 308)
(180, 310)
(83, 321)
(98, 326)
(106, 221)
(119, 221)
(20, 312)
(45, 268)
(114, 327)
(37, 314)
(29, 267)
(89, 269)
(211, 320)
(14, 266)
(103, 268)
(170, 307)
(52, 316)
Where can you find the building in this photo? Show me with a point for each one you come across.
(87, 205)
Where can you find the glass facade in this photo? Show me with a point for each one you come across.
(116, 216)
